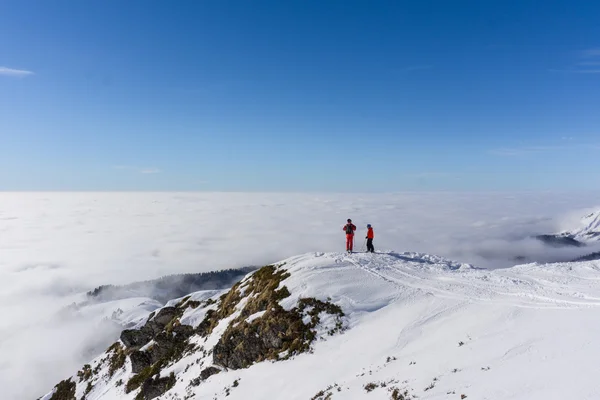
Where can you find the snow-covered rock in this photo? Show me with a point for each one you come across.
(378, 326)
(588, 229)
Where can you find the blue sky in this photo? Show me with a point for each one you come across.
(299, 95)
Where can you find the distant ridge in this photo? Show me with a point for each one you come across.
(171, 286)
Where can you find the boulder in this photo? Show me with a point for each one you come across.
(134, 338)
(140, 360)
(155, 387)
(165, 315)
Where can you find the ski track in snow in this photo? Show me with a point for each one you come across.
(468, 286)
(436, 328)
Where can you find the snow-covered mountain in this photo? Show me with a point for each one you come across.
(588, 229)
(377, 326)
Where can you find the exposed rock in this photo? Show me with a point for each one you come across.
(205, 326)
(208, 372)
(166, 346)
(272, 333)
(155, 387)
(204, 375)
(85, 373)
(135, 338)
(183, 330)
(65, 390)
(277, 331)
(244, 344)
(117, 359)
(165, 315)
(140, 360)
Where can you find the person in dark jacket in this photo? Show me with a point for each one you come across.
(349, 228)
(370, 237)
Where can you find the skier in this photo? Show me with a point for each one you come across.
(370, 237)
(349, 228)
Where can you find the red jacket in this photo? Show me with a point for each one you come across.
(352, 226)
(370, 234)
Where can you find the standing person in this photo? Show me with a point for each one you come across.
(349, 228)
(370, 237)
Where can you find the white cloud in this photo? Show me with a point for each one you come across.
(18, 73)
(57, 245)
(592, 59)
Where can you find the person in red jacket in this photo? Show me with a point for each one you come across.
(370, 237)
(349, 228)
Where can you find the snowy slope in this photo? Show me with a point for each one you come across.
(125, 312)
(588, 229)
(413, 324)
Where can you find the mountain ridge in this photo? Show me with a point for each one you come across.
(382, 325)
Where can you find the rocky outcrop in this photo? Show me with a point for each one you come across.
(155, 387)
(133, 338)
(258, 328)
(277, 333)
(166, 346)
(65, 390)
(136, 338)
(140, 360)
(208, 372)
(164, 316)
(244, 344)
(204, 375)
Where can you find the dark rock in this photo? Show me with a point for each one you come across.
(208, 372)
(65, 390)
(250, 349)
(203, 329)
(244, 344)
(134, 338)
(183, 330)
(155, 387)
(140, 360)
(163, 346)
(204, 375)
(165, 315)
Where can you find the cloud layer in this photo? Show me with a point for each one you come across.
(57, 246)
(18, 73)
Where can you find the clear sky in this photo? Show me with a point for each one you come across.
(299, 95)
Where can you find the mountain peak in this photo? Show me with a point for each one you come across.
(338, 326)
(588, 228)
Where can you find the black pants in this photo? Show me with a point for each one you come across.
(370, 246)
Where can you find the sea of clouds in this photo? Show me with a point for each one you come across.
(56, 246)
